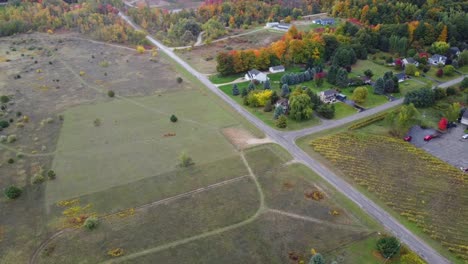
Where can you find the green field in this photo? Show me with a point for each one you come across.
(363, 65)
(372, 99)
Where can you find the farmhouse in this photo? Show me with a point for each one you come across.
(410, 61)
(256, 75)
(437, 59)
(275, 69)
(324, 21)
(464, 119)
(328, 96)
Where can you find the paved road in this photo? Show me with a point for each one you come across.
(286, 140)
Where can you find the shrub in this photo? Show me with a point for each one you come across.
(268, 107)
(91, 223)
(110, 93)
(423, 97)
(464, 83)
(38, 178)
(4, 124)
(116, 252)
(10, 161)
(4, 99)
(179, 80)
(259, 98)
(326, 111)
(282, 121)
(360, 94)
(439, 93)
(140, 49)
(173, 118)
(11, 138)
(440, 73)
(97, 122)
(410, 69)
(388, 246)
(185, 160)
(235, 90)
(449, 70)
(451, 91)
(51, 175)
(12, 192)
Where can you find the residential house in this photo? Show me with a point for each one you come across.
(406, 61)
(3, 2)
(401, 77)
(464, 119)
(271, 24)
(324, 21)
(283, 103)
(437, 59)
(454, 51)
(256, 75)
(278, 26)
(328, 96)
(275, 69)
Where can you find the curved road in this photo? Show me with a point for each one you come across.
(286, 140)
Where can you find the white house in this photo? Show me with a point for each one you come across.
(278, 26)
(271, 24)
(324, 21)
(406, 61)
(437, 59)
(464, 119)
(275, 69)
(256, 75)
(328, 96)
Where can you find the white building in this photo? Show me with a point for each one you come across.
(406, 61)
(437, 59)
(275, 69)
(256, 75)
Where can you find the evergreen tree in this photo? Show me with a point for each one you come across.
(279, 110)
(389, 86)
(251, 86)
(266, 85)
(285, 90)
(331, 77)
(379, 86)
(235, 90)
(274, 97)
(342, 78)
(244, 92)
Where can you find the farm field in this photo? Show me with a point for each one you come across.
(230, 215)
(415, 186)
(203, 58)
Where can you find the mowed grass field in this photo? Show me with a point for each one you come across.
(130, 142)
(228, 223)
(427, 194)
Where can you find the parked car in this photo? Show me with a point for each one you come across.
(407, 138)
(465, 136)
(428, 137)
(451, 124)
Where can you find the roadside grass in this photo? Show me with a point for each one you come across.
(269, 239)
(161, 186)
(432, 73)
(343, 110)
(363, 65)
(413, 191)
(410, 85)
(131, 144)
(463, 69)
(218, 79)
(158, 225)
(267, 117)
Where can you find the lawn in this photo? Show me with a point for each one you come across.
(463, 69)
(372, 99)
(267, 117)
(343, 110)
(432, 73)
(363, 65)
(410, 85)
(130, 142)
(218, 79)
(413, 185)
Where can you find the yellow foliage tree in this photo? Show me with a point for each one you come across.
(140, 49)
(263, 96)
(443, 35)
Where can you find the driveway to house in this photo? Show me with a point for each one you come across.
(286, 140)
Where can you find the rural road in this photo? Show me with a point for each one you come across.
(286, 140)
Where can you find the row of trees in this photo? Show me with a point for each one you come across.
(97, 18)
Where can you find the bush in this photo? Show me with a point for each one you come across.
(440, 73)
(326, 111)
(268, 107)
(110, 93)
(38, 178)
(423, 97)
(4, 124)
(173, 118)
(91, 223)
(388, 246)
(12, 192)
(10, 161)
(451, 91)
(449, 70)
(179, 80)
(51, 175)
(439, 93)
(4, 99)
(11, 138)
(140, 49)
(282, 121)
(464, 83)
(185, 160)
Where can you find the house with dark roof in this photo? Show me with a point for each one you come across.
(324, 21)
(256, 75)
(275, 69)
(283, 103)
(407, 61)
(401, 77)
(437, 59)
(454, 51)
(328, 96)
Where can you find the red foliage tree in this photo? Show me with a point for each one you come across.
(440, 73)
(443, 123)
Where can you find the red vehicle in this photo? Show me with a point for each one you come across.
(407, 138)
(428, 137)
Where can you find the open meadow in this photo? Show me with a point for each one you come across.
(117, 157)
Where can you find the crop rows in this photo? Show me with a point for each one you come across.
(425, 190)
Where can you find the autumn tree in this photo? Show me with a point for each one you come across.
(443, 124)
(360, 95)
(443, 34)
